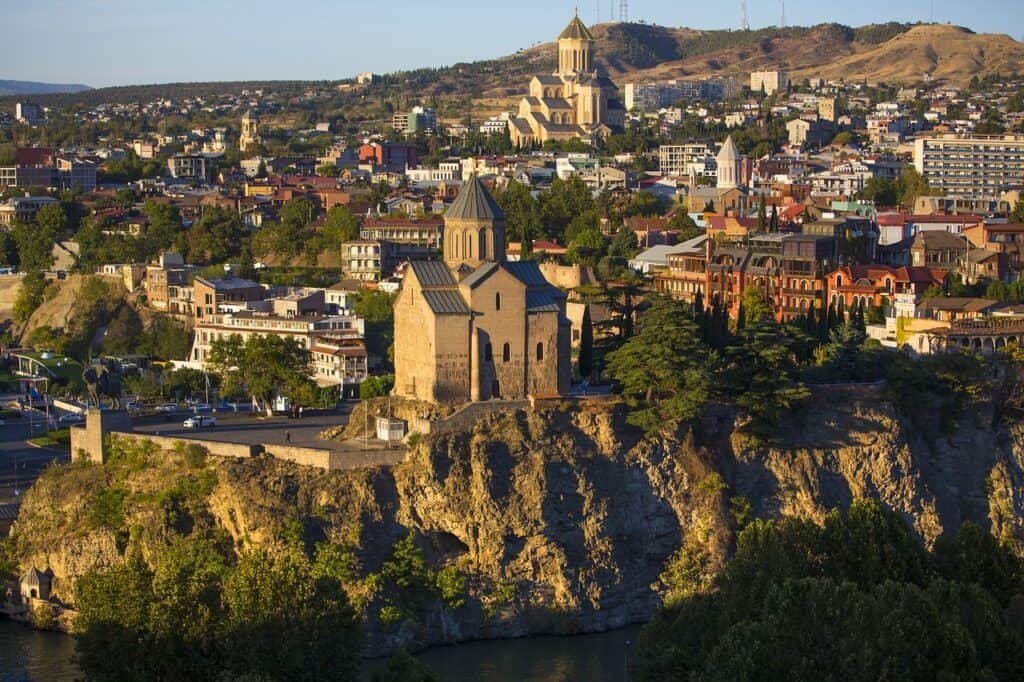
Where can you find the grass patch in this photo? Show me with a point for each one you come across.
(61, 439)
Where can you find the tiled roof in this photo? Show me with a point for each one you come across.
(446, 302)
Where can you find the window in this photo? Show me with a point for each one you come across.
(506, 353)
(488, 356)
(540, 351)
(497, 301)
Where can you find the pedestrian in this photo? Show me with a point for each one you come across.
(287, 436)
(300, 411)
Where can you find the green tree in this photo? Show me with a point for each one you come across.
(30, 295)
(586, 356)
(404, 668)
(521, 213)
(663, 371)
(339, 226)
(264, 367)
(761, 376)
(377, 310)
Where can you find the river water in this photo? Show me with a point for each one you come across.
(26, 654)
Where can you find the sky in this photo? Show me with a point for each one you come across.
(123, 42)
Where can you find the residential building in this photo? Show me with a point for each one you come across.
(28, 113)
(419, 118)
(1004, 238)
(977, 167)
(210, 294)
(684, 160)
(809, 132)
(392, 155)
(769, 82)
(195, 167)
(878, 285)
(475, 326)
(339, 361)
(76, 173)
(422, 231)
(575, 102)
(22, 209)
(936, 249)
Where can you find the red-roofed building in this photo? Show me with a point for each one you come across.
(34, 156)
(895, 227)
(870, 284)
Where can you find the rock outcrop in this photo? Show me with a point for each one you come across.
(561, 520)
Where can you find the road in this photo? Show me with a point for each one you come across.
(249, 428)
(20, 463)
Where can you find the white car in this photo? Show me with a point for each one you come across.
(167, 407)
(199, 421)
(71, 419)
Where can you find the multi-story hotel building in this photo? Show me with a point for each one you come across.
(980, 166)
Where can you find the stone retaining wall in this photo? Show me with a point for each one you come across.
(214, 447)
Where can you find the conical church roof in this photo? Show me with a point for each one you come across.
(728, 152)
(474, 203)
(576, 31)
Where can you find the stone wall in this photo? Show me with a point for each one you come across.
(214, 447)
(464, 419)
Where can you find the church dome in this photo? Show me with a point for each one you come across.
(576, 31)
(474, 202)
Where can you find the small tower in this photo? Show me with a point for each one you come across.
(728, 162)
(474, 227)
(250, 131)
(575, 50)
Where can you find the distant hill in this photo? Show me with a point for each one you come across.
(8, 88)
(893, 53)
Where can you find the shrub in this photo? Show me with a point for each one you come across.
(107, 508)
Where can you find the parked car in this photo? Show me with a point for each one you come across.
(167, 407)
(201, 407)
(71, 418)
(199, 421)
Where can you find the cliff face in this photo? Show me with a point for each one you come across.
(561, 521)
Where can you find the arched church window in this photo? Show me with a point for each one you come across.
(497, 301)
(540, 350)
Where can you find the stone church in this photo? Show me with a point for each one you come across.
(574, 102)
(474, 326)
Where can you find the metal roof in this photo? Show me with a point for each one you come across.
(474, 203)
(432, 273)
(446, 302)
(541, 302)
(479, 275)
(576, 31)
(528, 273)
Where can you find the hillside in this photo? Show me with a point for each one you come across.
(33, 88)
(891, 52)
(558, 521)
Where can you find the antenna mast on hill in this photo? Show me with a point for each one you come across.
(745, 25)
(782, 23)
(597, 5)
(624, 10)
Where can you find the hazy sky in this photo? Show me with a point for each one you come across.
(118, 42)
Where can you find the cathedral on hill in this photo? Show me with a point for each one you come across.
(474, 326)
(574, 102)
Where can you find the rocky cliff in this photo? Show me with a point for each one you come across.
(560, 521)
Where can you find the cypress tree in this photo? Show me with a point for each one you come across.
(761, 218)
(773, 225)
(586, 358)
(811, 321)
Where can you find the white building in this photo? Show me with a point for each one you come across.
(978, 166)
(769, 81)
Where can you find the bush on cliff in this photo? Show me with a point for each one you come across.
(856, 598)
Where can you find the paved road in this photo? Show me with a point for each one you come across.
(250, 428)
(20, 463)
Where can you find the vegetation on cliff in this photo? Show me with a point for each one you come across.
(853, 598)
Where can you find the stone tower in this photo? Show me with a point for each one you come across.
(474, 227)
(728, 162)
(250, 131)
(575, 50)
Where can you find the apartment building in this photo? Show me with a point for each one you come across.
(769, 81)
(976, 167)
(680, 160)
(195, 167)
(419, 118)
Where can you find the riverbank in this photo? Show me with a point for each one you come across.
(27, 654)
